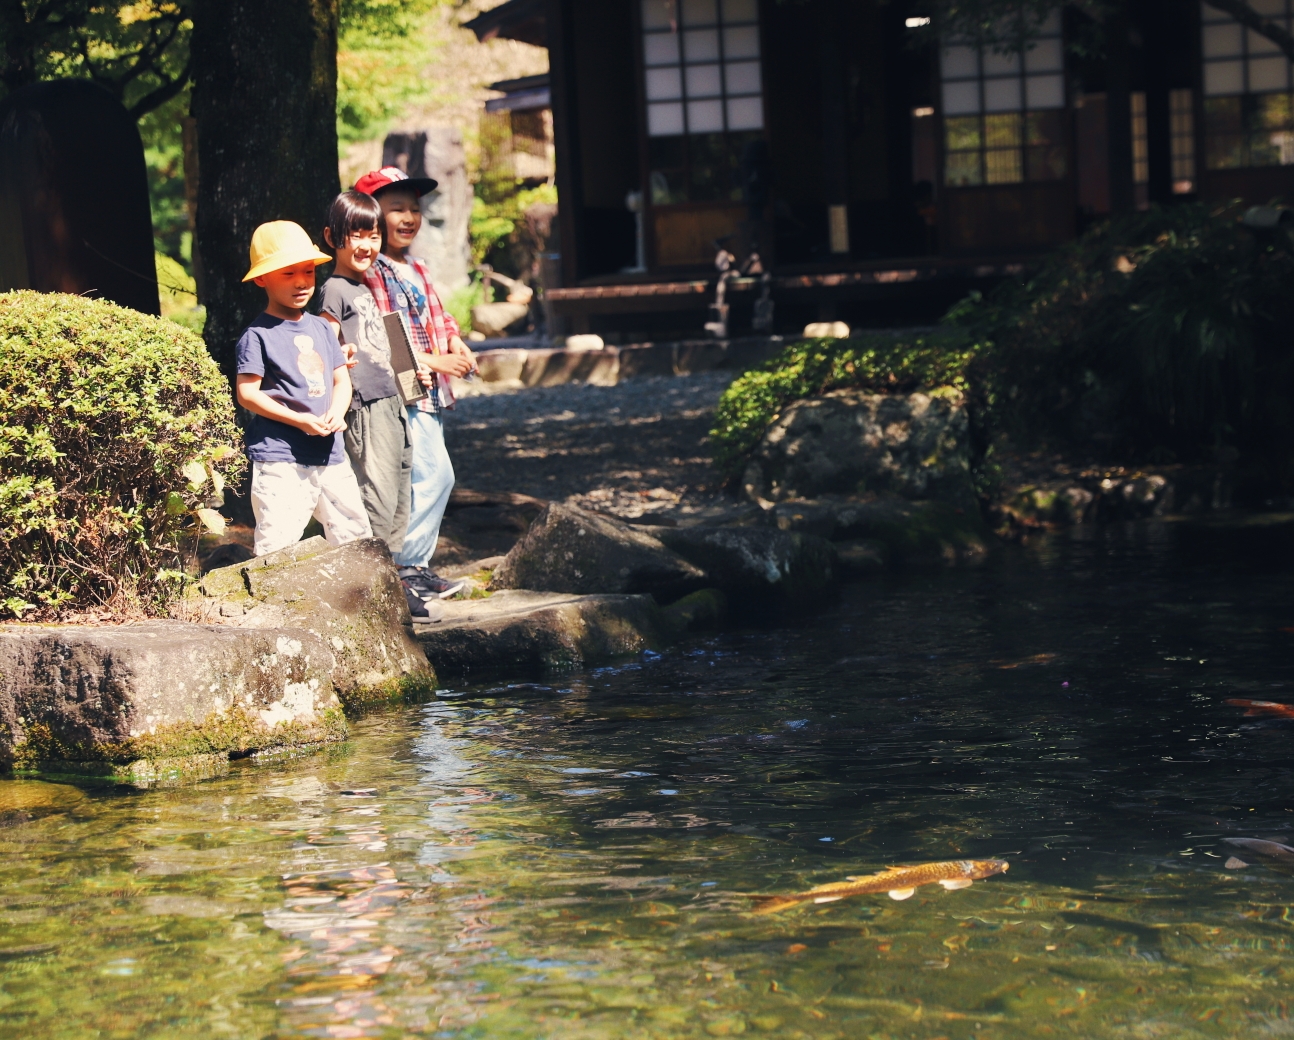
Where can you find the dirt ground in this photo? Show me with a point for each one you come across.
(634, 449)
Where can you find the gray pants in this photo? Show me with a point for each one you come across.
(381, 454)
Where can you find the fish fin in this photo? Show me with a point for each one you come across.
(1235, 863)
(901, 893)
(827, 899)
(953, 884)
(772, 904)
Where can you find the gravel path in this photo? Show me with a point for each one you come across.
(639, 447)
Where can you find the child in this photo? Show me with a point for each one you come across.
(292, 377)
(401, 282)
(377, 427)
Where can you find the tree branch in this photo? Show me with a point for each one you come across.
(1248, 17)
(161, 95)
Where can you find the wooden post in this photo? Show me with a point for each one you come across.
(1118, 112)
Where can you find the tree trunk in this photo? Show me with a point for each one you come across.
(265, 101)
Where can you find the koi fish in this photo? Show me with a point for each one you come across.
(1280, 711)
(897, 882)
(1279, 857)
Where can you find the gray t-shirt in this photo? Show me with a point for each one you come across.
(361, 324)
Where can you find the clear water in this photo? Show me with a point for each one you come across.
(568, 860)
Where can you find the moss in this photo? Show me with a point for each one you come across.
(881, 363)
(410, 688)
(701, 609)
(236, 732)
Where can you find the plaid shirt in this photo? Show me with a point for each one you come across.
(429, 325)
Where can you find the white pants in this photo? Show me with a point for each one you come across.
(285, 496)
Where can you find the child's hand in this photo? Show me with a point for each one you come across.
(449, 364)
(349, 350)
(457, 346)
(316, 425)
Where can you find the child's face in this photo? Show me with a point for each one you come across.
(402, 215)
(289, 288)
(360, 250)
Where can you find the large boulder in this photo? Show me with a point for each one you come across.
(852, 442)
(160, 699)
(762, 571)
(572, 550)
(267, 654)
(349, 596)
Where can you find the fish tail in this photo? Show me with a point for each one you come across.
(772, 904)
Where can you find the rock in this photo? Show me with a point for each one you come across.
(826, 330)
(303, 629)
(160, 699)
(443, 241)
(851, 442)
(584, 341)
(704, 608)
(534, 632)
(349, 596)
(762, 571)
(227, 555)
(861, 557)
(571, 550)
(494, 319)
(908, 531)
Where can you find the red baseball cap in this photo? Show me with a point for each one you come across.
(389, 176)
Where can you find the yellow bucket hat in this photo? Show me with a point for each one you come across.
(281, 243)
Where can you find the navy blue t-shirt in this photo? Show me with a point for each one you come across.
(295, 360)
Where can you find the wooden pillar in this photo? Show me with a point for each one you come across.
(835, 143)
(1118, 112)
(561, 85)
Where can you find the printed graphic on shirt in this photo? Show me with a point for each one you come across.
(311, 364)
(371, 334)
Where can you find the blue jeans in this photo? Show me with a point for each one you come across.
(433, 480)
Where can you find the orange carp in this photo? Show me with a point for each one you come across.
(897, 882)
(1270, 708)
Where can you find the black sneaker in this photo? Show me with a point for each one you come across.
(417, 606)
(428, 585)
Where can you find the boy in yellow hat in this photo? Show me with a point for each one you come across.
(292, 377)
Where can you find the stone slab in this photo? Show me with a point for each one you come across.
(516, 631)
(113, 699)
(269, 651)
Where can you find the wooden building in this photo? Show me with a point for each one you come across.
(878, 176)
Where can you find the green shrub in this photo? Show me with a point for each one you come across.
(111, 427)
(1162, 336)
(879, 361)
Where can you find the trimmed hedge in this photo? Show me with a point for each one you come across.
(880, 362)
(117, 434)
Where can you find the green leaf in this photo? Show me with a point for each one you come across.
(195, 472)
(213, 521)
(175, 505)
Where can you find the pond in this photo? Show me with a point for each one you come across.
(573, 859)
